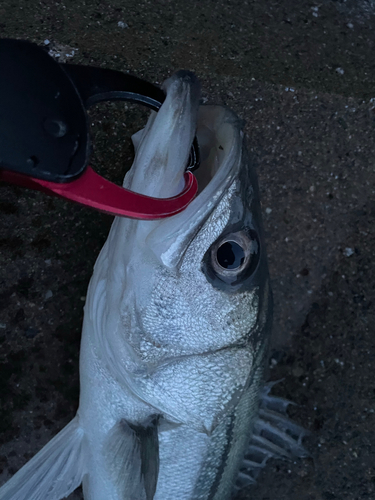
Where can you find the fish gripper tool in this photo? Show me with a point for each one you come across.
(44, 131)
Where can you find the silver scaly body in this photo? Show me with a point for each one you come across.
(173, 342)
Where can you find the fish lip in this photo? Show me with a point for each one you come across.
(228, 118)
(162, 148)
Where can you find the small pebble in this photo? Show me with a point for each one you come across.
(348, 252)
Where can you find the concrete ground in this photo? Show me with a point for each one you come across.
(302, 75)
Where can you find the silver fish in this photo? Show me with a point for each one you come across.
(176, 329)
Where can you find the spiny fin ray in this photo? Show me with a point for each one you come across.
(274, 436)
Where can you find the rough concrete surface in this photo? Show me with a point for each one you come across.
(302, 75)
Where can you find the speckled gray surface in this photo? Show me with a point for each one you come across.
(302, 75)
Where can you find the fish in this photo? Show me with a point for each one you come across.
(176, 330)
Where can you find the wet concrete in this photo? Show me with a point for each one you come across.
(303, 78)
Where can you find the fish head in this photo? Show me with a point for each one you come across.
(196, 283)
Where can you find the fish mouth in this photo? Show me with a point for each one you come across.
(220, 137)
(216, 136)
(162, 153)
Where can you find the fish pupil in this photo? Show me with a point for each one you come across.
(230, 255)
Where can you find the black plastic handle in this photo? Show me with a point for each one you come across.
(44, 130)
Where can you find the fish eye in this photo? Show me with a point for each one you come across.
(230, 255)
(235, 255)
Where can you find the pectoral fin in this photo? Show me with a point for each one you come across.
(132, 456)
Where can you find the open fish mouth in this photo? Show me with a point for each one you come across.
(163, 146)
(219, 140)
